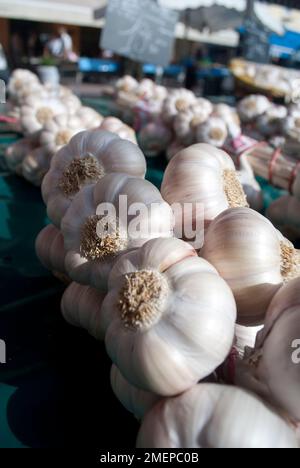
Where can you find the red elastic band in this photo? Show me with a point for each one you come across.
(275, 156)
(4, 118)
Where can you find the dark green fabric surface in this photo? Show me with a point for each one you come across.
(54, 389)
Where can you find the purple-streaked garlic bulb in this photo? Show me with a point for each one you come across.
(272, 367)
(81, 307)
(214, 416)
(83, 161)
(94, 240)
(154, 138)
(166, 328)
(254, 259)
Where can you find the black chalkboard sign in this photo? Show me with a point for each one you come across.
(140, 30)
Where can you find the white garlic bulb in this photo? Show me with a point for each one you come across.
(94, 241)
(272, 368)
(250, 255)
(15, 153)
(89, 118)
(57, 132)
(37, 112)
(19, 80)
(285, 215)
(114, 125)
(270, 123)
(86, 159)
(178, 100)
(135, 400)
(166, 328)
(154, 138)
(71, 102)
(35, 165)
(291, 127)
(127, 83)
(81, 307)
(204, 175)
(251, 107)
(230, 117)
(213, 132)
(250, 185)
(214, 416)
(49, 246)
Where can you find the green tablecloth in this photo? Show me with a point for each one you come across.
(54, 389)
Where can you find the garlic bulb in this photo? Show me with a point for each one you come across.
(15, 153)
(37, 112)
(89, 118)
(285, 215)
(250, 255)
(57, 132)
(213, 132)
(94, 240)
(272, 368)
(49, 246)
(291, 127)
(250, 185)
(178, 100)
(230, 117)
(35, 165)
(269, 124)
(136, 401)
(71, 102)
(166, 328)
(214, 416)
(114, 125)
(205, 175)
(86, 159)
(183, 126)
(145, 89)
(252, 107)
(81, 307)
(127, 83)
(19, 80)
(154, 138)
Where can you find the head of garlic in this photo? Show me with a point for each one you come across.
(187, 121)
(81, 307)
(37, 112)
(285, 215)
(136, 401)
(270, 123)
(58, 131)
(230, 117)
(272, 367)
(205, 177)
(214, 416)
(166, 328)
(83, 161)
(89, 118)
(291, 127)
(127, 84)
(178, 100)
(251, 107)
(254, 259)
(94, 240)
(213, 132)
(19, 80)
(49, 247)
(16, 152)
(154, 138)
(36, 164)
(115, 125)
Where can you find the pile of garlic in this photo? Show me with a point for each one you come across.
(48, 117)
(169, 314)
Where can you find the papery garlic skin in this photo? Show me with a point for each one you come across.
(81, 307)
(154, 138)
(204, 175)
(214, 416)
(156, 220)
(20, 79)
(110, 153)
(177, 101)
(213, 132)
(127, 83)
(180, 330)
(285, 215)
(37, 112)
(49, 246)
(246, 250)
(114, 125)
(136, 401)
(89, 118)
(35, 165)
(15, 153)
(272, 368)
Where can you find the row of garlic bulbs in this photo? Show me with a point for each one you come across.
(153, 299)
(48, 117)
